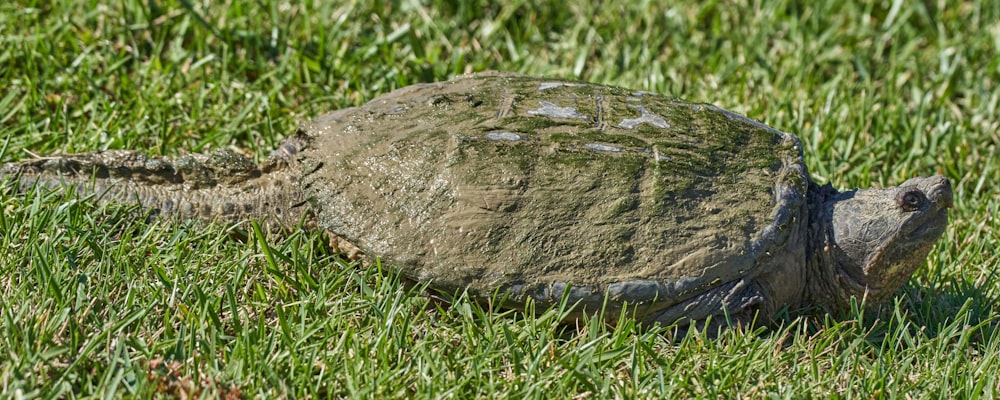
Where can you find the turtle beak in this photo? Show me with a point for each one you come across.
(937, 189)
(940, 192)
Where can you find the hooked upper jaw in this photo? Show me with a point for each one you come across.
(938, 197)
(937, 189)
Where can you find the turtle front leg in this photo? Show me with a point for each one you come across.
(736, 303)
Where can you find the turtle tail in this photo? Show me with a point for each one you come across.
(218, 186)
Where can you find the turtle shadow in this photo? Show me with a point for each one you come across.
(945, 309)
(955, 310)
(935, 308)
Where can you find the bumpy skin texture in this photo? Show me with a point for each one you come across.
(222, 186)
(517, 188)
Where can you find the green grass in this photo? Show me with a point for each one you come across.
(95, 302)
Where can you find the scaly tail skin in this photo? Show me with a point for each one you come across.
(218, 186)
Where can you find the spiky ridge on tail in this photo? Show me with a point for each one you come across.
(219, 186)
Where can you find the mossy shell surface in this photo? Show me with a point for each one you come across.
(507, 185)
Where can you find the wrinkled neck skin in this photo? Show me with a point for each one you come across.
(823, 284)
(866, 243)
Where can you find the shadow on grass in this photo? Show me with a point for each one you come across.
(958, 311)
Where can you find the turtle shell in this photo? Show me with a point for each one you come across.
(503, 184)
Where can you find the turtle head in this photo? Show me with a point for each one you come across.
(880, 236)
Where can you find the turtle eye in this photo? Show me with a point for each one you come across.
(909, 200)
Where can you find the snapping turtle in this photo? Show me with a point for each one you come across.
(516, 188)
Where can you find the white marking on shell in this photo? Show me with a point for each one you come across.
(509, 136)
(548, 109)
(737, 117)
(644, 117)
(602, 147)
(552, 85)
(640, 93)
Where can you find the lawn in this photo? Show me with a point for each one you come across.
(97, 302)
